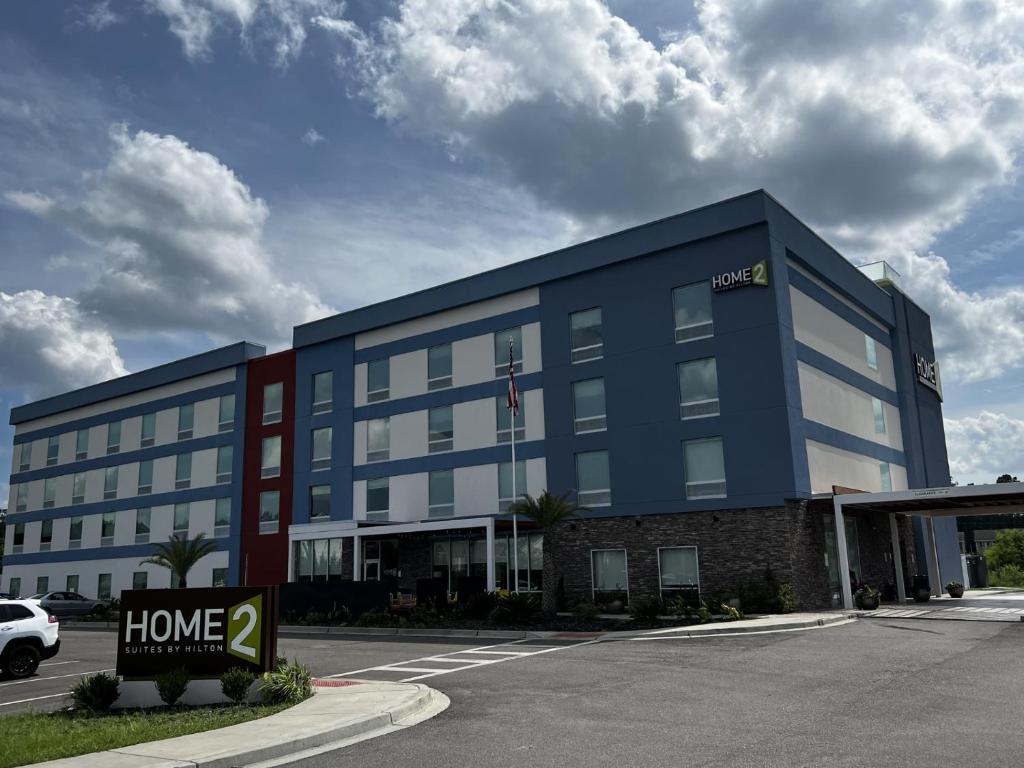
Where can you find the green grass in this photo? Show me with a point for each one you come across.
(35, 737)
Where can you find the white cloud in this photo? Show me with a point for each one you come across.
(57, 346)
(181, 245)
(312, 137)
(985, 446)
(99, 16)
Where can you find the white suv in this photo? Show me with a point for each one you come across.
(28, 634)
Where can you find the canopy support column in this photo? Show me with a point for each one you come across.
(897, 558)
(844, 555)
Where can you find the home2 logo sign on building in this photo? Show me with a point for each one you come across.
(204, 631)
(755, 274)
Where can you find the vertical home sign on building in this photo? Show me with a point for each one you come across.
(203, 631)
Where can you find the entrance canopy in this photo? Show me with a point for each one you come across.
(928, 503)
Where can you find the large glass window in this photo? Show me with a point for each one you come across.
(322, 448)
(505, 495)
(378, 439)
(704, 468)
(378, 498)
(183, 471)
(142, 520)
(879, 413)
(25, 457)
(52, 450)
(586, 339)
(501, 339)
(78, 488)
(82, 444)
(698, 388)
(147, 433)
(273, 397)
(21, 501)
(503, 419)
(103, 586)
(692, 307)
(225, 456)
(113, 437)
(50, 492)
(19, 537)
(45, 535)
(439, 366)
(593, 483)
(219, 577)
(108, 528)
(885, 473)
(182, 513)
(140, 580)
(71, 583)
(271, 457)
(318, 560)
(186, 421)
(270, 511)
(42, 584)
(609, 574)
(441, 432)
(323, 391)
(320, 502)
(226, 413)
(871, 352)
(75, 534)
(110, 476)
(222, 517)
(589, 412)
(442, 493)
(378, 380)
(145, 477)
(677, 570)
(14, 586)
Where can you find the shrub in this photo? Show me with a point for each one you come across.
(785, 596)
(480, 605)
(586, 610)
(516, 608)
(867, 598)
(647, 609)
(1007, 576)
(375, 619)
(172, 686)
(99, 611)
(289, 683)
(235, 684)
(95, 693)
(729, 613)
(704, 614)
(1007, 549)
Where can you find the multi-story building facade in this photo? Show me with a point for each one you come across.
(702, 384)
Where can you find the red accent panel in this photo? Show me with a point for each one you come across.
(264, 557)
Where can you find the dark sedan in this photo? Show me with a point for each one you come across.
(65, 603)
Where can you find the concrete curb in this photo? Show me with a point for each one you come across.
(747, 626)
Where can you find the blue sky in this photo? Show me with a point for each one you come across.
(264, 162)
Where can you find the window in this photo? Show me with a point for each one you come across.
(879, 411)
(108, 526)
(42, 584)
(378, 499)
(52, 450)
(592, 481)
(226, 413)
(692, 307)
(501, 339)
(182, 512)
(186, 421)
(320, 502)
(113, 437)
(14, 587)
(183, 471)
(71, 583)
(110, 483)
(378, 380)
(21, 502)
(142, 518)
(323, 392)
(586, 339)
(609, 573)
(271, 462)
(78, 488)
(318, 560)
(871, 352)
(439, 366)
(704, 468)
(222, 517)
(49, 492)
(145, 477)
(588, 406)
(147, 435)
(505, 495)
(441, 432)
(82, 444)
(322, 448)
(273, 395)
(219, 577)
(442, 493)
(19, 538)
(678, 574)
(45, 535)
(103, 587)
(270, 511)
(378, 439)
(75, 536)
(698, 389)
(140, 579)
(225, 455)
(503, 417)
(25, 457)
(886, 475)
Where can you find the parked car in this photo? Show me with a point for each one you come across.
(28, 634)
(65, 603)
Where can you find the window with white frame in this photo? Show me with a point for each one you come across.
(49, 492)
(45, 535)
(78, 488)
(378, 499)
(378, 380)
(698, 388)
(441, 502)
(503, 419)
(871, 352)
(273, 399)
(145, 477)
(320, 502)
(704, 468)
(18, 538)
(501, 339)
(75, 533)
(691, 305)
(113, 437)
(586, 337)
(878, 410)
(183, 471)
(678, 573)
(52, 450)
(14, 586)
(440, 429)
(82, 444)
(142, 521)
(609, 574)
(103, 586)
(21, 500)
(225, 457)
(378, 439)
(270, 465)
(588, 406)
(71, 583)
(505, 497)
(186, 420)
(885, 473)
(323, 392)
(322, 448)
(182, 513)
(108, 528)
(110, 477)
(439, 366)
(147, 433)
(226, 413)
(42, 584)
(593, 481)
(25, 456)
(222, 517)
(219, 577)
(140, 580)
(270, 511)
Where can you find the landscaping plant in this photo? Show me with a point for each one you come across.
(172, 686)
(648, 609)
(514, 608)
(289, 683)
(179, 554)
(235, 684)
(95, 693)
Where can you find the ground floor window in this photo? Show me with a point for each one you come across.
(455, 558)
(608, 573)
(318, 560)
(103, 586)
(678, 573)
(220, 577)
(832, 553)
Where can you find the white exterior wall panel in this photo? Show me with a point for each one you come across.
(839, 405)
(833, 466)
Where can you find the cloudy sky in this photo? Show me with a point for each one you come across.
(177, 174)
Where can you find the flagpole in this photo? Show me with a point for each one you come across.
(512, 423)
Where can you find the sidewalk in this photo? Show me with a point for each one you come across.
(993, 604)
(338, 711)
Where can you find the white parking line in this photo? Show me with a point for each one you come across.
(56, 663)
(51, 677)
(35, 698)
(498, 661)
(502, 653)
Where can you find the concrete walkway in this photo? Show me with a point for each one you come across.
(338, 712)
(1006, 605)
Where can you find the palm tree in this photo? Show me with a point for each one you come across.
(548, 511)
(179, 554)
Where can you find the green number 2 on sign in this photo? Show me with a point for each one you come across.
(242, 620)
(759, 273)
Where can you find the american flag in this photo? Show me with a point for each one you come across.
(513, 393)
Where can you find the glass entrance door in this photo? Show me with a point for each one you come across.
(371, 560)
